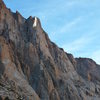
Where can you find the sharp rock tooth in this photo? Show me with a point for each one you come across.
(35, 22)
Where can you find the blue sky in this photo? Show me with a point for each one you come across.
(72, 24)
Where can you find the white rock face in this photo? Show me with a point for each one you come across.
(35, 22)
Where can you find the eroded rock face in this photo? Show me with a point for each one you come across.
(34, 68)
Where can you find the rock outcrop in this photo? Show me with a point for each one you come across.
(34, 68)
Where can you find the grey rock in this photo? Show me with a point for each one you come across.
(34, 68)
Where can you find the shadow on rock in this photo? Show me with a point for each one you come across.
(1, 68)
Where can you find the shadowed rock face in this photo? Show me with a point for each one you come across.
(1, 69)
(88, 69)
(34, 68)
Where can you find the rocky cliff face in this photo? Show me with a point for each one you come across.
(34, 68)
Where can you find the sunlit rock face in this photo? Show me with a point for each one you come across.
(34, 68)
(35, 22)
